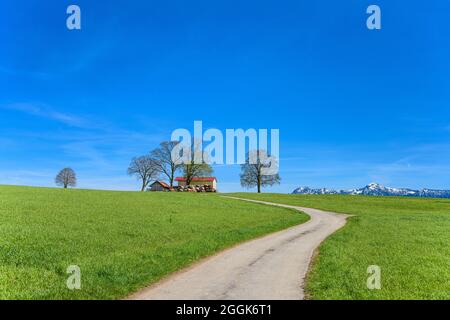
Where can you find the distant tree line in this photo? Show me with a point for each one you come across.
(160, 162)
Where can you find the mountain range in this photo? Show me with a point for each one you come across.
(375, 189)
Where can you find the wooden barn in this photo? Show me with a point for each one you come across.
(159, 186)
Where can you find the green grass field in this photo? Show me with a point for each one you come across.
(122, 241)
(409, 238)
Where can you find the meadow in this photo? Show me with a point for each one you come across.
(122, 241)
(408, 238)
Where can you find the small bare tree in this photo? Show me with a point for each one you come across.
(66, 178)
(252, 171)
(164, 160)
(144, 168)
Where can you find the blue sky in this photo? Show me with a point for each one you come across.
(353, 105)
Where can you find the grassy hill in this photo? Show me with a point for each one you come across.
(121, 240)
(409, 238)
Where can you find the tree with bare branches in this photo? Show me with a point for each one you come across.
(66, 178)
(253, 170)
(145, 169)
(195, 163)
(165, 161)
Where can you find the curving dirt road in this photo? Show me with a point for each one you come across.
(271, 267)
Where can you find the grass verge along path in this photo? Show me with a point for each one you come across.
(121, 241)
(408, 238)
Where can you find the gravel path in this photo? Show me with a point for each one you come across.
(270, 267)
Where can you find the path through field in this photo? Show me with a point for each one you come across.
(271, 267)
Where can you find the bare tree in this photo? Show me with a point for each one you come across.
(252, 171)
(164, 160)
(66, 178)
(144, 168)
(197, 165)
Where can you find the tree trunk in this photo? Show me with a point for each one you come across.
(188, 180)
(171, 179)
(258, 178)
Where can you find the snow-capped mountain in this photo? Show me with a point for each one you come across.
(375, 189)
(308, 190)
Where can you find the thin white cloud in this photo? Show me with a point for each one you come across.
(44, 111)
(27, 177)
(97, 150)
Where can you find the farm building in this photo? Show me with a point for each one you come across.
(210, 181)
(159, 186)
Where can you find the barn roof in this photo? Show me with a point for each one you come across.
(209, 179)
(162, 183)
